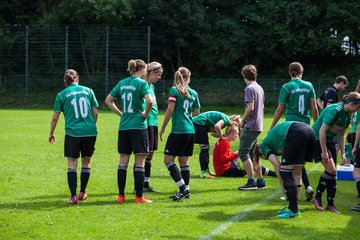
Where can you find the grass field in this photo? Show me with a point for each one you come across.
(33, 195)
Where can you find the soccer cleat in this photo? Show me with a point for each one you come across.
(142, 200)
(248, 186)
(73, 200)
(333, 209)
(181, 194)
(261, 184)
(282, 211)
(288, 214)
(150, 189)
(211, 173)
(317, 204)
(83, 196)
(283, 198)
(206, 175)
(121, 199)
(356, 208)
(309, 193)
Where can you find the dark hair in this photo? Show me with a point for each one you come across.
(295, 69)
(249, 72)
(70, 77)
(135, 66)
(341, 79)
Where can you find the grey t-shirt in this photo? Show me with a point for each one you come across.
(254, 93)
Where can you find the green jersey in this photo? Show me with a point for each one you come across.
(356, 118)
(131, 91)
(275, 139)
(335, 117)
(209, 119)
(182, 115)
(153, 115)
(296, 95)
(77, 102)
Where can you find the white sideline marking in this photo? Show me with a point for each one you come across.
(241, 215)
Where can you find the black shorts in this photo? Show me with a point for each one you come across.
(299, 145)
(133, 140)
(233, 171)
(180, 145)
(357, 160)
(201, 134)
(331, 146)
(73, 146)
(153, 138)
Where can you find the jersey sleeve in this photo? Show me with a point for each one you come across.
(94, 102)
(331, 97)
(284, 95)
(58, 106)
(144, 89)
(172, 95)
(330, 117)
(312, 92)
(115, 92)
(249, 95)
(225, 153)
(197, 102)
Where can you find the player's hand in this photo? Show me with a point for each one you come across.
(354, 152)
(161, 133)
(145, 116)
(51, 139)
(325, 157)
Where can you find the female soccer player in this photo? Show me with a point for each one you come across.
(333, 120)
(154, 72)
(132, 135)
(79, 105)
(295, 142)
(212, 121)
(183, 103)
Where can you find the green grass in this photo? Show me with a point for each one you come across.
(33, 192)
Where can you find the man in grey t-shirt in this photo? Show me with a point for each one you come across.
(252, 124)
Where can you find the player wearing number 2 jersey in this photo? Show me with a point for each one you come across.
(132, 135)
(297, 97)
(183, 103)
(79, 105)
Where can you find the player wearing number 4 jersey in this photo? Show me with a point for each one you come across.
(79, 105)
(297, 97)
(183, 103)
(132, 135)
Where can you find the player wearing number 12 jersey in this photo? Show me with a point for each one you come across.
(297, 97)
(183, 103)
(79, 105)
(132, 134)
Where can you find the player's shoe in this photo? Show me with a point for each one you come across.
(283, 198)
(248, 186)
(309, 193)
(317, 204)
(142, 200)
(121, 199)
(261, 184)
(282, 211)
(73, 200)
(82, 196)
(212, 173)
(206, 175)
(333, 209)
(356, 208)
(289, 214)
(181, 194)
(150, 189)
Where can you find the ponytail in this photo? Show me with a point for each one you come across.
(179, 81)
(70, 77)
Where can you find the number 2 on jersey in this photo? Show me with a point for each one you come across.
(186, 106)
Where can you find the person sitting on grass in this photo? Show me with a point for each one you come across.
(225, 162)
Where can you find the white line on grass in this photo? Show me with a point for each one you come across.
(241, 215)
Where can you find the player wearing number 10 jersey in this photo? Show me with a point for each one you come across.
(79, 105)
(183, 103)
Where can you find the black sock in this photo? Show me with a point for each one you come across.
(72, 181)
(185, 173)
(267, 172)
(305, 178)
(84, 178)
(357, 180)
(176, 176)
(121, 178)
(204, 158)
(139, 180)
(291, 190)
(330, 188)
(147, 172)
(321, 187)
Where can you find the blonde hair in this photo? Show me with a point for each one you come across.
(179, 80)
(352, 97)
(135, 66)
(153, 67)
(232, 128)
(70, 77)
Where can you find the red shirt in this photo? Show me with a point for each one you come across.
(222, 156)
